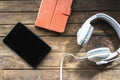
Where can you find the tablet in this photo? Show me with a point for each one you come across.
(27, 45)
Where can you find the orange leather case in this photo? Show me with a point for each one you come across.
(53, 14)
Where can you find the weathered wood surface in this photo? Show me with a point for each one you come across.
(71, 30)
(69, 44)
(78, 5)
(68, 75)
(12, 67)
(30, 17)
(51, 75)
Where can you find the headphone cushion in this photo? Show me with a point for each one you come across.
(98, 54)
(98, 51)
(84, 35)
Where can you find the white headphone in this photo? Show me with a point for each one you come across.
(100, 55)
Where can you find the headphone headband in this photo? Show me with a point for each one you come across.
(85, 32)
(105, 17)
(111, 21)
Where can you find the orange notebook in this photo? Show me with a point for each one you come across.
(53, 14)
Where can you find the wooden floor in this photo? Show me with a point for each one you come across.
(12, 67)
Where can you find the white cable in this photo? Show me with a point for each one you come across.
(62, 60)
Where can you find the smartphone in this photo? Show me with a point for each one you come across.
(27, 45)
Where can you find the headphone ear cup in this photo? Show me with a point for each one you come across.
(84, 35)
(88, 36)
(98, 57)
(98, 54)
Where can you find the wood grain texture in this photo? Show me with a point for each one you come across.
(83, 5)
(30, 17)
(51, 75)
(11, 61)
(100, 29)
(111, 75)
(12, 67)
(69, 44)
(78, 5)
(60, 47)
(67, 75)
(1, 75)
(19, 5)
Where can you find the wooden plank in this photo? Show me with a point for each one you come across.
(80, 17)
(60, 47)
(19, 5)
(71, 29)
(51, 61)
(78, 5)
(67, 75)
(13, 18)
(1, 75)
(111, 75)
(51, 75)
(69, 44)
(10, 61)
(96, 5)
(29, 18)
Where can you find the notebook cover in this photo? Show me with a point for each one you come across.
(53, 14)
(27, 45)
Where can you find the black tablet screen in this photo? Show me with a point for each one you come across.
(26, 44)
